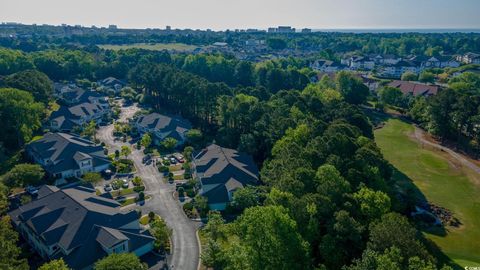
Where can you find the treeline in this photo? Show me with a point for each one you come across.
(273, 74)
(402, 44)
(329, 200)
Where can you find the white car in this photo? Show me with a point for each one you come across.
(125, 183)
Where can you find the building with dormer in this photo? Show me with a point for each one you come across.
(78, 226)
(64, 155)
(220, 172)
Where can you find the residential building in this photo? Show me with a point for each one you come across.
(220, 172)
(469, 58)
(62, 88)
(326, 66)
(371, 83)
(415, 89)
(396, 71)
(79, 95)
(65, 155)
(359, 63)
(112, 83)
(66, 118)
(254, 42)
(437, 62)
(78, 226)
(386, 59)
(163, 126)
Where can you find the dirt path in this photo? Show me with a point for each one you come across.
(420, 136)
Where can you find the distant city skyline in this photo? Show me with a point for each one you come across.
(260, 14)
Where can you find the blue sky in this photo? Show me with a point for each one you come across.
(231, 14)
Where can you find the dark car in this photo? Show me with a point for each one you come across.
(146, 158)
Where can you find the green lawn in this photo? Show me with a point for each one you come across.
(176, 167)
(154, 47)
(144, 220)
(442, 183)
(122, 192)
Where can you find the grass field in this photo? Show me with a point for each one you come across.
(443, 182)
(154, 46)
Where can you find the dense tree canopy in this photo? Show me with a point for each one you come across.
(20, 117)
(32, 81)
(24, 174)
(120, 261)
(10, 255)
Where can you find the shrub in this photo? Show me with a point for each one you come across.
(137, 181)
(188, 206)
(190, 193)
(151, 215)
(141, 196)
(139, 189)
(181, 192)
(163, 169)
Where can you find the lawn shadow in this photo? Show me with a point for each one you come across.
(407, 197)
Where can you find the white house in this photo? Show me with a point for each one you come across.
(360, 63)
(469, 58)
(396, 71)
(325, 66)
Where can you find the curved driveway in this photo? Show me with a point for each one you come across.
(185, 247)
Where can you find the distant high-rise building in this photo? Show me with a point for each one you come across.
(112, 26)
(272, 30)
(285, 29)
(306, 30)
(168, 28)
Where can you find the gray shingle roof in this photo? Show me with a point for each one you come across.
(111, 82)
(78, 111)
(223, 170)
(166, 126)
(64, 149)
(79, 95)
(75, 218)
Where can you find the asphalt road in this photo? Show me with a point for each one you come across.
(185, 253)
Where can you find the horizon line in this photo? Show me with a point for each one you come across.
(253, 28)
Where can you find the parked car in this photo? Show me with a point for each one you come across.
(146, 158)
(173, 160)
(107, 188)
(31, 190)
(125, 183)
